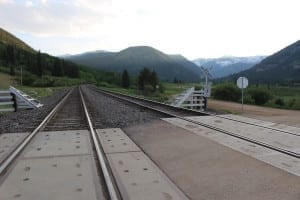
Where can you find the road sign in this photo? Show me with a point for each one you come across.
(242, 82)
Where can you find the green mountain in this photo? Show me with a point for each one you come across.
(134, 59)
(8, 38)
(281, 67)
(37, 67)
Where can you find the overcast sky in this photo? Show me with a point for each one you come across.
(193, 28)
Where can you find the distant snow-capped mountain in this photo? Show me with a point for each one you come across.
(224, 66)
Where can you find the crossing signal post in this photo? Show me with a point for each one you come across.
(207, 86)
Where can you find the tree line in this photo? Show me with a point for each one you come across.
(36, 63)
(147, 81)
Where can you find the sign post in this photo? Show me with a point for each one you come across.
(242, 83)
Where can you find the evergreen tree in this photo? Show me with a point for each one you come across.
(39, 64)
(125, 79)
(153, 80)
(147, 78)
(143, 78)
(12, 70)
(57, 68)
(11, 59)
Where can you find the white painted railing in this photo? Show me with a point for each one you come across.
(191, 99)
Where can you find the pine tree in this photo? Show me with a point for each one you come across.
(147, 78)
(143, 78)
(125, 79)
(57, 68)
(11, 58)
(39, 64)
(153, 80)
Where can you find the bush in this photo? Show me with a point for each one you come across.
(292, 102)
(248, 99)
(198, 87)
(279, 102)
(227, 92)
(103, 84)
(161, 88)
(45, 81)
(259, 95)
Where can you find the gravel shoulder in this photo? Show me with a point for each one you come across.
(281, 116)
(27, 120)
(108, 112)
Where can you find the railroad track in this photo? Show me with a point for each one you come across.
(182, 113)
(69, 114)
(152, 105)
(175, 111)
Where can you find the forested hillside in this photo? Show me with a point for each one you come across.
(281, 67)
(8, 38)
(134, 59)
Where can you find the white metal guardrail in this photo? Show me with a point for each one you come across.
(25, 99)
(14, 99)
(7, 103)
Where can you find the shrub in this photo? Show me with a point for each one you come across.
(45, 81)
(248, 99)
(226, 91)
(161, 88)
(103, 84)
(198, 87)
(259, 95)
(279, 102)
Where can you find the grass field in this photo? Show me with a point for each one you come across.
(36, 92)
(289, 95)
(5, 81)
(170, 91)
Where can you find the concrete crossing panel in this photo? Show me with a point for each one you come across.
(272, 137)
(57, 143)
(274, 158)
(59, 178)
(114, 141)
(8, 142)
(55, 165)
(138, 178)
(136, 175)
(283, 127)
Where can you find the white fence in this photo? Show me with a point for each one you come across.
(191, 99)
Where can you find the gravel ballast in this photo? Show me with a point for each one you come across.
(27, 120)
(105, 111)
(108, 112)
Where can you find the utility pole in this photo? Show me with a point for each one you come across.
(21, 75)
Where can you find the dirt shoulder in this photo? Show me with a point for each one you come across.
(288, 117)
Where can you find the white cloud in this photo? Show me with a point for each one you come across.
(6, 1)
(28, 3)
(195, 28)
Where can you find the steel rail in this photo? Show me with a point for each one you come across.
(281, 150)
(262, 126)
(196, 112)
(108, 180)
(6, 163)
(153, 102)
